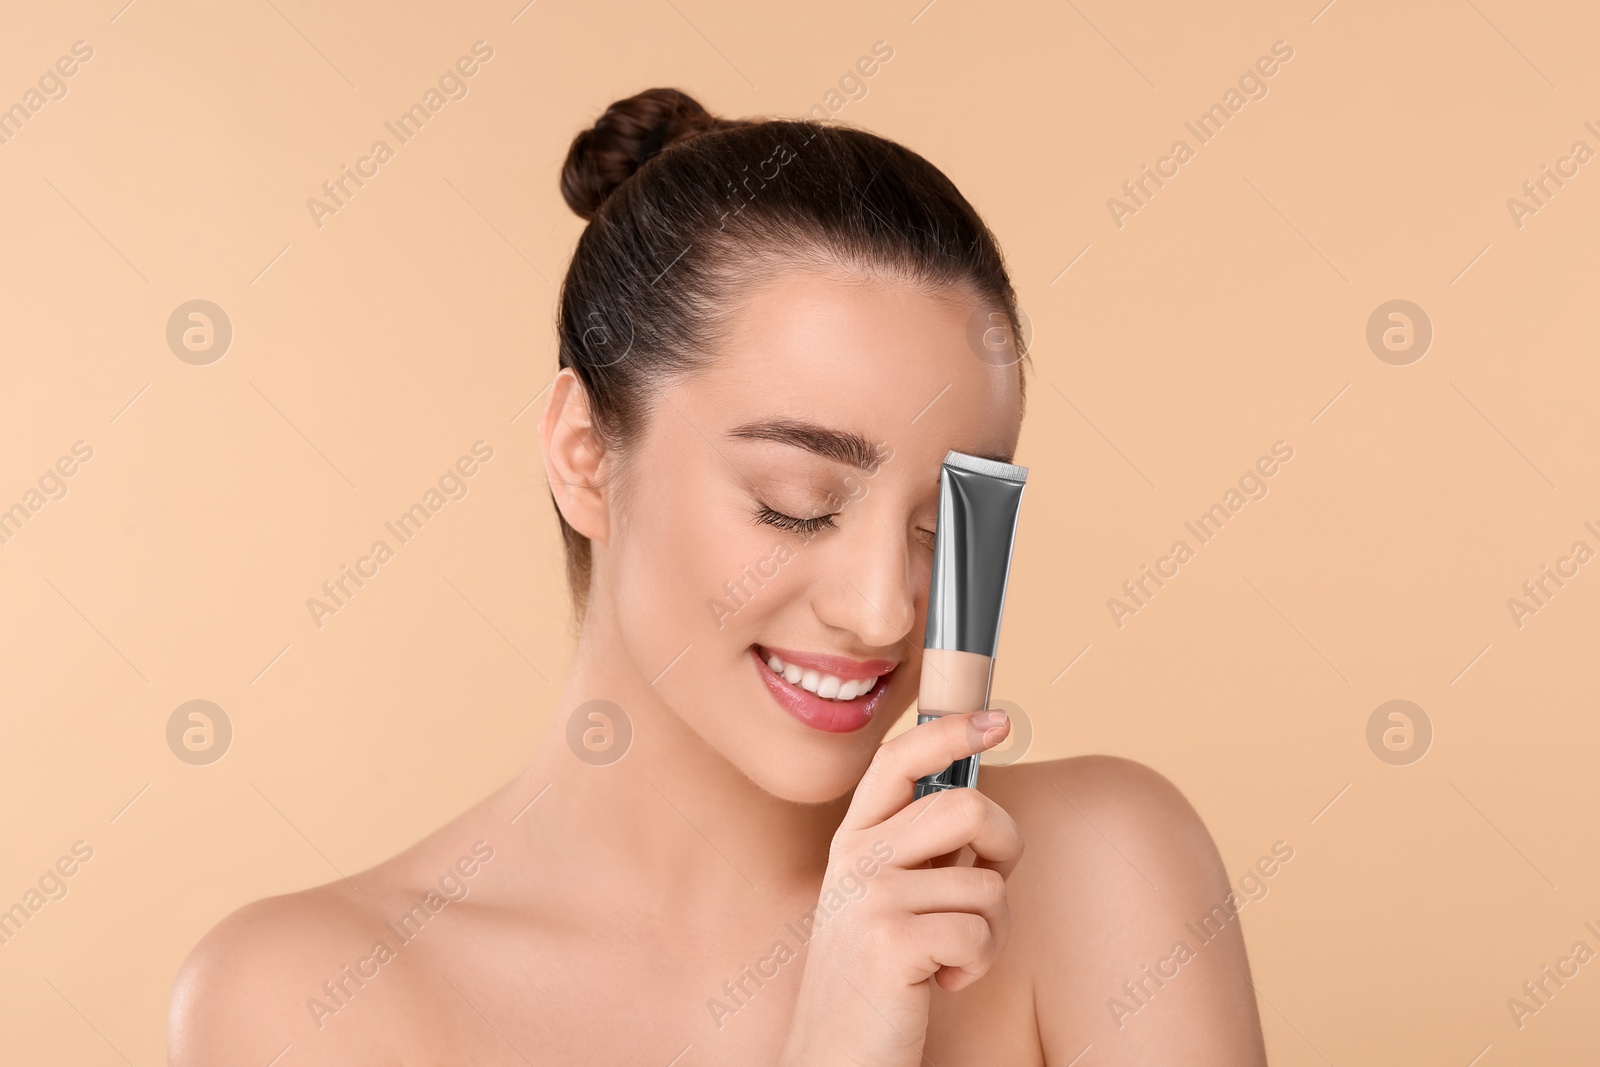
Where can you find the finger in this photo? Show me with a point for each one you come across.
(890, 779)
(956, 941)
(973, 890)
(940, 823)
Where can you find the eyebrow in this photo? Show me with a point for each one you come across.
(842, 446)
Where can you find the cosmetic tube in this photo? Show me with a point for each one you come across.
(978, 504)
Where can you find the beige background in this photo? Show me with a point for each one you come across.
(1228, 313)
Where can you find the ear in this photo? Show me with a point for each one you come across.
(573, 456)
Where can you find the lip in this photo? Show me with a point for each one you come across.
(820, 713)
(841, 667)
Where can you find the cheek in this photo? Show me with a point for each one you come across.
(692, 564)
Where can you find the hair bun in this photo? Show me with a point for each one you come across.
(622, 139)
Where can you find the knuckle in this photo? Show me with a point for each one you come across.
(888, 756)
(991, 886)
(971, 807)
(843, 849)
(961, 735)
(882, 896)
(886, 937)
(871, 937)
(975, 937)
(1014, 843)
(922, 805)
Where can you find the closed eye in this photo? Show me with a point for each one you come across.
(790, 522)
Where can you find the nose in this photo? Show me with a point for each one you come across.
(873, 592)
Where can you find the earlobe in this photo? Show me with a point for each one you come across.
(573, 456)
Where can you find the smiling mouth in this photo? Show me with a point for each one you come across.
(826, 686)
(834, 703)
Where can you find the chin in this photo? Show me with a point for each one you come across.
(818, 776)
(815, 731)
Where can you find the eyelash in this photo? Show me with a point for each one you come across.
(772, 517)
(792, 523)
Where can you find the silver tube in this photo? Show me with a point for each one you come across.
(978, 504)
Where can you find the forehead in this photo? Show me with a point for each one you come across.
(892, 360)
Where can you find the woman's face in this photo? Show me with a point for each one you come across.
(773, 534)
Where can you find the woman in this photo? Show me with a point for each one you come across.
(714, 858)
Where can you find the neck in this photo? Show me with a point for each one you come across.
(670, 812)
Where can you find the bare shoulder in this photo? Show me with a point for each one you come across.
(1124, 908)
(1131, 810)
(331, 971)
(254, 985)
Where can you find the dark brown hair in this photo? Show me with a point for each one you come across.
(685, 209)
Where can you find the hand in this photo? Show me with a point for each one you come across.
(864, 995)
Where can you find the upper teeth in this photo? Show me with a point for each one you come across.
(824, 685)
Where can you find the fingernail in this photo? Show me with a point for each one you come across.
(986, 720)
